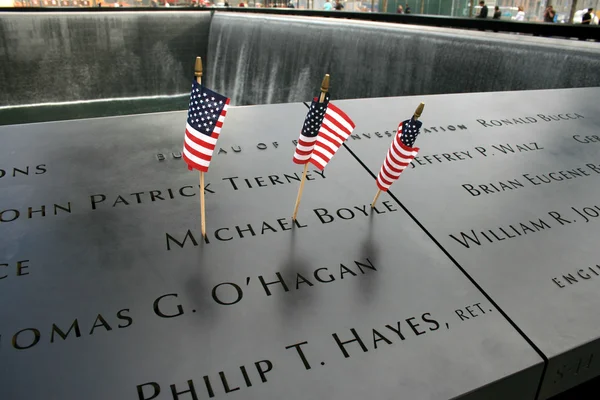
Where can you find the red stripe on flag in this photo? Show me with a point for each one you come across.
(395, 160)
(384, 179)
(393, 169)
(382, 188)
(197, 153)
(332, 146)
(324, 132)
(303, 152)
(317, 164)
(304, 143)
(200, 142)
(323, 157)
(343, 115)
(338, 125)
(193, 165)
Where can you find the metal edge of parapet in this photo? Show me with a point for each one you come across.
(60, 104)
(448, 32)
(123, 115)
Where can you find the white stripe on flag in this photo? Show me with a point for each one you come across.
(304, 148)
(340, 120)
(400, 150)
(197, 147)
(301, 157)
(382, 176)
(307, 139)
(391, 173)
(333, 128)
(323, 143)
(319, 160)
(195, 159)
(393, 163)
(324, 151)
(333, 138)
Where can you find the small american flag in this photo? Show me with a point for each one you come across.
(331, 127)
(400, 154)
(335, 129)
(310, 130)
(206, 114)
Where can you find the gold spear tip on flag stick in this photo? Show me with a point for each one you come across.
(198, 67)
(325, 84)
(419, 110)
(324, 88)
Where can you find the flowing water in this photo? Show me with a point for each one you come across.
(260, 59)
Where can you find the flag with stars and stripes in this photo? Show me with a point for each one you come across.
(310, 130)
(400, 154)
(206, 113)
(325, 128)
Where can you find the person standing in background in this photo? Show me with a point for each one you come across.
(338, 5)
(497, 13)
(484, 10)
(520, 15)
(587, 17)
(549, 14)
(400, 10)
(407, 9)
(327, 6)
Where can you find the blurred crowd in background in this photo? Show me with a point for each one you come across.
(549, 11)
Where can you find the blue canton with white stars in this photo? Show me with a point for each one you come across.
(315, 116)
(205, 108)
(410, 131)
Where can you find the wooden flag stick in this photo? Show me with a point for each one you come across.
(202, 215)
(300, 190)
(198, 74)
(416, 116)
(376, 197)
(324, 90)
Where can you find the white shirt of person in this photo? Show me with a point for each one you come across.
(520, 16)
